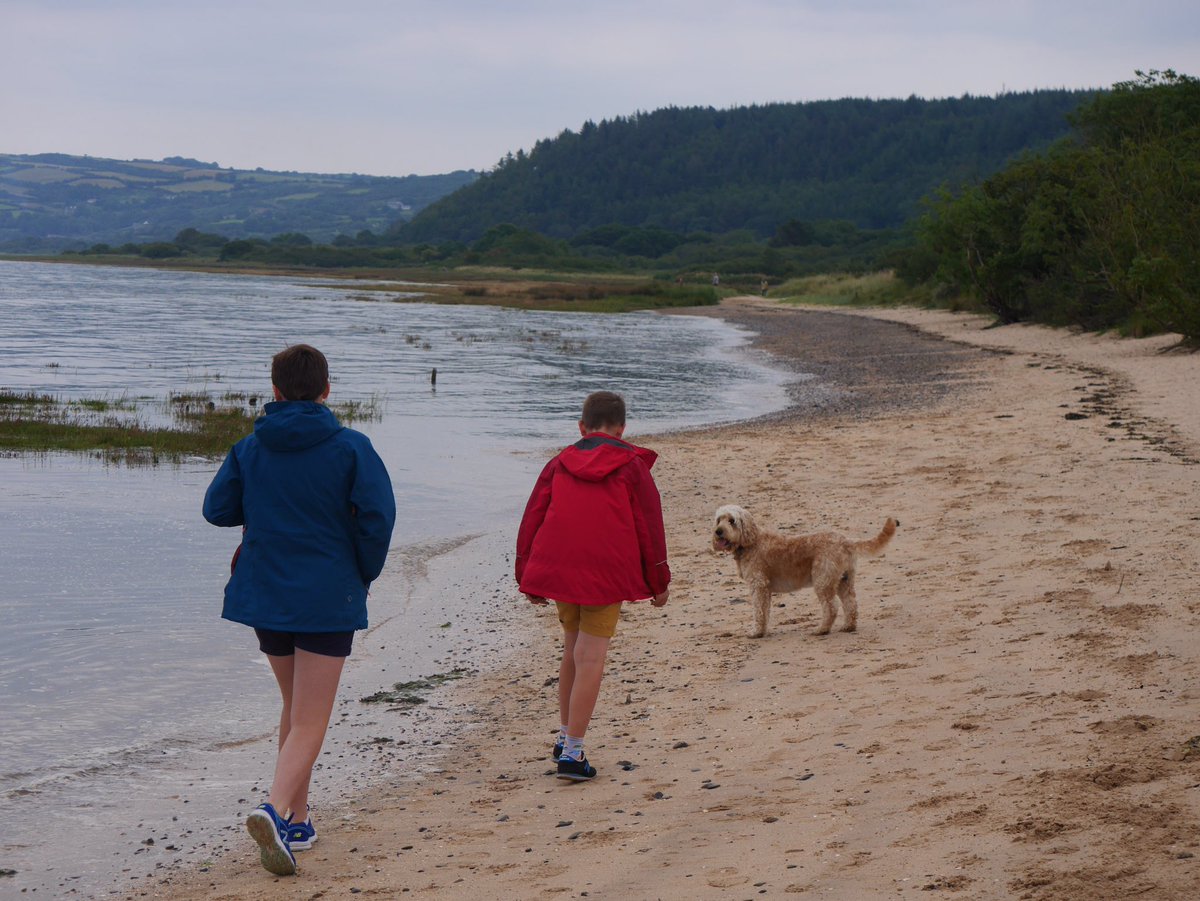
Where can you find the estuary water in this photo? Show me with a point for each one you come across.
(114, 662)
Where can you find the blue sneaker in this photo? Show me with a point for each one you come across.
(269, 830)
(575, 770)
(301, 836)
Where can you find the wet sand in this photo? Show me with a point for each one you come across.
(1017, 716)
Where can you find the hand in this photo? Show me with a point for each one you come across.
(660, 599)
(534, 599)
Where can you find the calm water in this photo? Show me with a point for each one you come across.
(113, 653)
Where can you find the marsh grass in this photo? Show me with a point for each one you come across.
(538, 291)
(843, 290)
(349, 412)
(143, 432)
(876, 289)
(118, 430)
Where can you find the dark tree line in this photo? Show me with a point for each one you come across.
(690, 170)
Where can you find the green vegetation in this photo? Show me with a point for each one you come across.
(110, 430)
(581, 295)
(683, 171)
(195, 425)
(840, 289)
(1063, 207)
(1102, 230)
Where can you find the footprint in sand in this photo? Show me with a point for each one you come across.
(727, 877)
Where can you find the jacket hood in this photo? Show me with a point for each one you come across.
(597, 456)
(293, 425)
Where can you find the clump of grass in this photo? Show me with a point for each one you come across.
(349, 412)
(28, 398)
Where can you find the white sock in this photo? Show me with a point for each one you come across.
(573, 748)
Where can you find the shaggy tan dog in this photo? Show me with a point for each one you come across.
(771, 563)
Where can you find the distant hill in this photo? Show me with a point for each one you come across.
(54, 201)
(706, 170)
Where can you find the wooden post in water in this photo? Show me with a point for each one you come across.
(433, 377)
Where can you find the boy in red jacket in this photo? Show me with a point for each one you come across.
(592, 537)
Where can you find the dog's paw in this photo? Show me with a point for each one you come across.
(757, 634)
(849, 628)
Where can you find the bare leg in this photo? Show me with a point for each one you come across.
(566, 676)
(587, 657)
(284, 669)
(309, 705)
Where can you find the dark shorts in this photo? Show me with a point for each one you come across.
(285, 644)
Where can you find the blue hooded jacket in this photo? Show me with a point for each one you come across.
(318, 510)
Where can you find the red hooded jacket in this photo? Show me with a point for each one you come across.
(592, 532)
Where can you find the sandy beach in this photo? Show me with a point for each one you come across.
(1017, 716)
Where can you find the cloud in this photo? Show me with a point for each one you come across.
(398, 87)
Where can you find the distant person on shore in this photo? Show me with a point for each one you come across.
(591, 538)
(716, 280)
(316, 508)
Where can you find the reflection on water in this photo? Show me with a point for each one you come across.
(112, 582)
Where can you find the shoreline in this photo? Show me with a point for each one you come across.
(186, 806)
(1013, 718)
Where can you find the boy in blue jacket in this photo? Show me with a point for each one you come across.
(317, 511)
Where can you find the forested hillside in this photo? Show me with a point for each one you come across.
(53, 201)
(1101, 231)
(704, 170)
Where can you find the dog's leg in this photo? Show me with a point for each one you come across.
(760, 597)
(825, 594)
(845, 591)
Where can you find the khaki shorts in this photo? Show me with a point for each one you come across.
(599, 620)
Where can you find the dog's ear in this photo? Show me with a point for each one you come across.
(746, 528)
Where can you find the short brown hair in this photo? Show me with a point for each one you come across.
(300, 372)
(603, 408)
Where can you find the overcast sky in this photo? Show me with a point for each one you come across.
(394, 87)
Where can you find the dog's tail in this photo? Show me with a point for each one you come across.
(873, 546)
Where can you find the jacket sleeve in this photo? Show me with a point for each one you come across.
(535, 515)
(375, 511)
(648, 521)
(223, 499)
